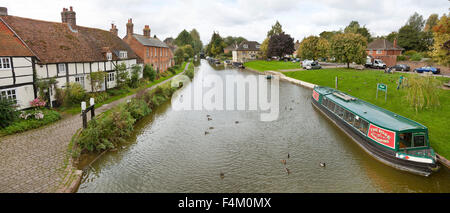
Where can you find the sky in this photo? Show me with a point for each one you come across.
(248, 18)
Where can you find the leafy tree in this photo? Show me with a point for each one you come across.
(216, 45)
(184, 38)
(229, 40)
(328, 35)
(179, 56)
(276, 30)
(121, 75)
(97, 79)
(348, 48)
(197, 44)
(188, 50)
(314, 47)
(392, 36)
(354, 27)
(416, 22)
(264, 48)
(431, 22)
(441, 32)
(280, 45)
(135, 73)
(149, 72)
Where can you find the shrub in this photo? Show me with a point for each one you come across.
(423, 92)
(99, 97)
(38, 102)
(60, 95)
(416, 57)
(36, 119)
(133, 81)
(410, 52)
(8, 113)
(138, 108)
(401, 58)
(149, 72)
(74, 94)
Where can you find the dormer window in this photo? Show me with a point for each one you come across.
(123, 55)
(62, 68)
(258, 46)
(245, 46)
(109, 56)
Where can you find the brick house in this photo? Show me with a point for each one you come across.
(246, 51)
(62, 51)
(151, 50)
(384, 50)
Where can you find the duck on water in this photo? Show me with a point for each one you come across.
(390, 138)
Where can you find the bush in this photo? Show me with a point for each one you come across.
(133, 81)
(117, 91)
(138, 108)
(74, 95)
(32, 122)
(8, 113)
(416, 57)
(410, 53)
(401, 58)
(149, 73)
(99, 97)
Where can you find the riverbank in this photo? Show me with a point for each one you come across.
(79, 163)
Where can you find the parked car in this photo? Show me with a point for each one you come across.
(375, 63)
(401, 67)
(227, 62)
(306, 63)
(434, 70)
(313, 66)
(295, 60)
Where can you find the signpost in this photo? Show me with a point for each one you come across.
(382, 87)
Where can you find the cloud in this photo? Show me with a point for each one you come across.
(248, 18)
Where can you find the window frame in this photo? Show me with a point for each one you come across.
(11, 96)
(62, 71)
(2, 63)
(80, 81)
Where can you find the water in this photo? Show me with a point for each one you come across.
(171, 153)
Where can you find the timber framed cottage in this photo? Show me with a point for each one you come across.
(150, 50)
(62, 51)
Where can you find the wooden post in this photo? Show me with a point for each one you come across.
(83, 114)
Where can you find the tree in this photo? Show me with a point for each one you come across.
(392, 36)
(184, 38)
(264, 48)
(416, 22)
(276, 30)
(216, 45)
(179, 56)
(280, 45)
(441, 33)
(354, 27)
(97, 80)
(188, 50)
(348, 48)
(121, 75)
(149, 72)
(229, 40)
(314, 47)
(431, 22)
(328, 35)
(197, 44)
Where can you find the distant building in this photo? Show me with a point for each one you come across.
(246, 51)
(60, 50)
(230, 48)
(151, 50)
(384, 50)
(296, 47)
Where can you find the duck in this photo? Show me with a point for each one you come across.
(283, 162)
(287, 170)
(322, 164)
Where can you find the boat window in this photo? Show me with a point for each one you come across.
(357, 122)
(339, 111)
(419, 140)
(405, 140)
(324, 101)
(349, 117)
(331, 105)
(364, 126)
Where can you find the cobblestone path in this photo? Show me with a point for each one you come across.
(32, 161)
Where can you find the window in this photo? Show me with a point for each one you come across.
(405, 140)
(148, 52)
(123, 54)
(379, 51)
(5, 63)
(349, 117)
(110, 77)
(62, 68)
(339, 111)
(245, 46)
(364, 126)
(80, 80)
(419, 140)
(8, 94)
(160, 52)
(155, 52)
(325, 101)
(258, 46)
(109, 56)
(331, 106)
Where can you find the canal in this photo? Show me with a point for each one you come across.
(234, 151)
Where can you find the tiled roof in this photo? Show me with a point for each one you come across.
(54, 42)
(251, 46)
(382, 44)
(11, 45)
(150, 41)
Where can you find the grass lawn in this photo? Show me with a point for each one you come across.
(362, 84)
(271, 65)
(122, 94)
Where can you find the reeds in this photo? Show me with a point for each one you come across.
(423, 92)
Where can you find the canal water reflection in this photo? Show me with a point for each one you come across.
(172, 153)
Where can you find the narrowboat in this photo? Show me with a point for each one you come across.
(390, 138)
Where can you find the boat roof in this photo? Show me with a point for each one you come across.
(372, 113)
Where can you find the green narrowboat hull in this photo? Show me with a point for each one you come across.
(391, 156)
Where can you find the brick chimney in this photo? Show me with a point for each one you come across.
(130, 27)
(69, 17)
(114, 29)
(3, 11)
(147, 31)
(395, 43)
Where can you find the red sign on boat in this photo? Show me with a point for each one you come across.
(315, 95)
(382, 136)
